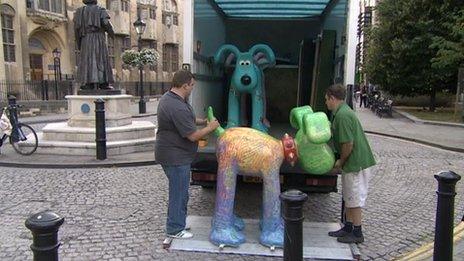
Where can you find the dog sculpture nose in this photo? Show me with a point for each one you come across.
(246, 80)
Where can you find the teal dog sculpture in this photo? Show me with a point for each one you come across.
(248, 77)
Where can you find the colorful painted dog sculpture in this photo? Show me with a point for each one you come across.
(248, 77)
(250, 152)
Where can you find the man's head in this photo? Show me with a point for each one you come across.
(183, 81)
(335, 95)
(89, 2)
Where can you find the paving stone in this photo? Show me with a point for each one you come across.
(119, 213)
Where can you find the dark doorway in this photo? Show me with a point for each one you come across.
(305, 71)
(36, 64)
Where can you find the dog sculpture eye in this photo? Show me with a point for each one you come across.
(247, 63)
(242, 63)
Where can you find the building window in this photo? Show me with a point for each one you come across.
(175, 19)
(111, 52)
(125, 43)
(125, 5)
(170, 58)
(147, 12)
(55, 6)
(8, 33)
(170, 19)
(170, 6)
(152, 11)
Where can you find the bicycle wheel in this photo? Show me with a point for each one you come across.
(25, 140)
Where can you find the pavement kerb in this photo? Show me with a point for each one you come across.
(440, 146)
(426, 251)
(417, 120)
(31, 120)
(78, 166)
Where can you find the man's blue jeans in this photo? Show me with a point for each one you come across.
(179, 180)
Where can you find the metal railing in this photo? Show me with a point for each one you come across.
(149, 88)
(57, 90)
(36, 90)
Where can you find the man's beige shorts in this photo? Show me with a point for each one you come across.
(355, 186)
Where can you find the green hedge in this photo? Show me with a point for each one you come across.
(442, 100)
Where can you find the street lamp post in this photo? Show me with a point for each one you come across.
(140, 26)
(57, 69)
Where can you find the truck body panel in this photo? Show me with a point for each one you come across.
(310, 52)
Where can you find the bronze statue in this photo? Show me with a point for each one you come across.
(90, 24)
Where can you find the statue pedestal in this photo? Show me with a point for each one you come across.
(81, 110)
(77, 135)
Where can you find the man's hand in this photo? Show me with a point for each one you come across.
(199, 134)
(338, 164)
(337, 168)
(212, 125)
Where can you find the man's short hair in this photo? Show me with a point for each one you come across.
(338, 91)
(181, 77)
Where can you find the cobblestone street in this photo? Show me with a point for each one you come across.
(119, 213)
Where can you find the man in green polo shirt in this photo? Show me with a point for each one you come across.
(355, 160)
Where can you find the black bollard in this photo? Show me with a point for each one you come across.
(44, 227)
(292, 213)
(443, 247)
(14, 109)
(100, 129)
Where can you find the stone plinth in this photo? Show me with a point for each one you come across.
(81, 110)
(77, 135)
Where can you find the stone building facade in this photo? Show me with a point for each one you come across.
(366, 19)
(32, 29)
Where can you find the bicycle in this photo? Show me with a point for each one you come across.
(23, 137)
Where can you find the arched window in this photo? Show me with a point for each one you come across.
(8, 14)
(55, 6)
(36, 44)
(170, 16)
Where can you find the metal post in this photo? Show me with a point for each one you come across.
(142, 104)
(14, 110)
(292, 213)
(42, 85)
(46, 89)
(443, 246)
(55, 66)
(100, 129)
(349, 95)
(44, 227)
(70, 91)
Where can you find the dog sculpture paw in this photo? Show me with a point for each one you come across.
(229, 236)
(272, 233)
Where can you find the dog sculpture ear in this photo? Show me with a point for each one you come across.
(261, 60)
(268, 53)
(230, 59)
(296, 116)
(224, 50)
(316, 127)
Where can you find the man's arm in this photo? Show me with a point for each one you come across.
(346, 148)
(199, 121)
(198, 134)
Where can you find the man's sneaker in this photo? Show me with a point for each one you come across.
(182, 234)
(338, 233)
(350, 238)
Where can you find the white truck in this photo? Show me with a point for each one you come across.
(310, 41)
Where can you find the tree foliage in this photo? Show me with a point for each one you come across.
(416, 46)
